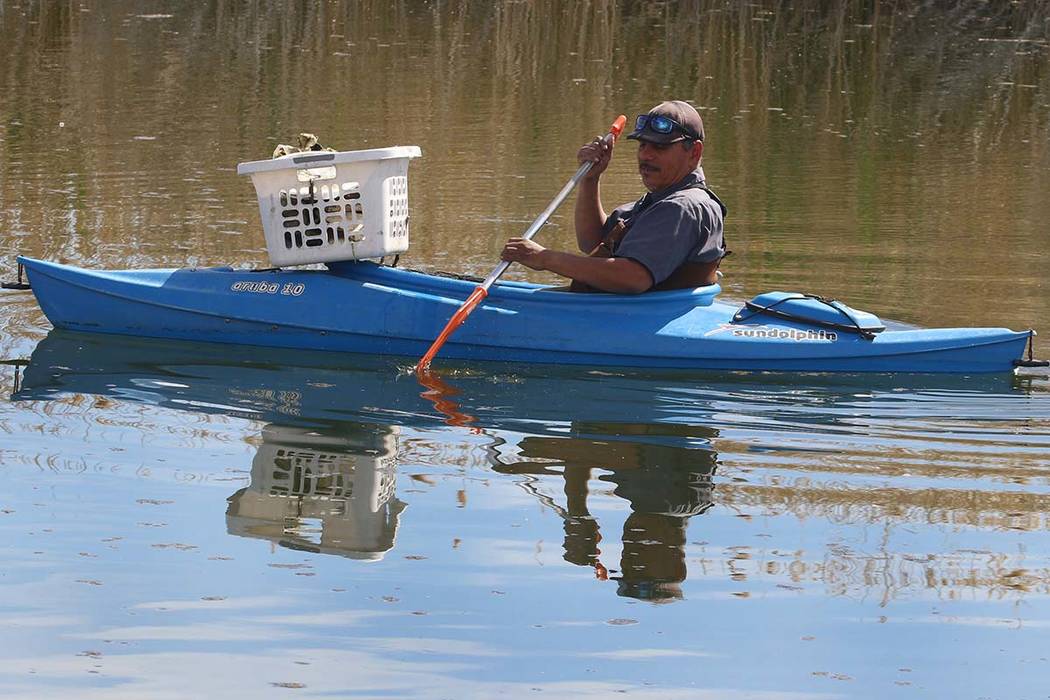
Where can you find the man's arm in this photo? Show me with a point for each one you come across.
(590, 216)
(616, 275)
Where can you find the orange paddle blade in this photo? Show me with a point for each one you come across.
(455, 322)
(617, 126)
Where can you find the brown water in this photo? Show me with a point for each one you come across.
(181, 521)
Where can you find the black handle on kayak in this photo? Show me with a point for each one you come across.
(16, 285)
(1030, 361)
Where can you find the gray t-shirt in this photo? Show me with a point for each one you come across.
(682, 223)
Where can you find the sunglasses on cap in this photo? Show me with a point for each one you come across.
(663, 125)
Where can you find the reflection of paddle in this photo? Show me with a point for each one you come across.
(440, 393)
(482, 290)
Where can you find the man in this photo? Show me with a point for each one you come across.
(669, 239)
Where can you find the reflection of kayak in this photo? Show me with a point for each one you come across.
(319, 388)
(368, 308)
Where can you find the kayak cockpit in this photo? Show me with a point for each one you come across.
(460, 287)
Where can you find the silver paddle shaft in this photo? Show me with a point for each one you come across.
(546, 214)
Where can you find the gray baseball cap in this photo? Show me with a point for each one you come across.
(685, 123)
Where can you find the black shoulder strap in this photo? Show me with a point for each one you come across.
(725, 211)
(721, 204)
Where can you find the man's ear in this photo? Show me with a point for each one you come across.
(698, 150)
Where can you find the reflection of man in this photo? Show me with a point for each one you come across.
(669, 239)
(665, 484)
(343, 476)
(663, 497)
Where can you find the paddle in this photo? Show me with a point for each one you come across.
(482, 290)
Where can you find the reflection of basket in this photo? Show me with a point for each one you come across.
(300, 472)
(319, 207)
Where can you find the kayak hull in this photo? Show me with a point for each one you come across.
(367, 308)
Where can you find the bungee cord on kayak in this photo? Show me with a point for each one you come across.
(811, 308)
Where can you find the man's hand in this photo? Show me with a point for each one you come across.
(599, 151)
(616, 275)
(528, 253)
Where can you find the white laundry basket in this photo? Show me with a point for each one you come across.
(326, 206)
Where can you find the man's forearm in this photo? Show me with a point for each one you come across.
(590, 217)
(616, 275)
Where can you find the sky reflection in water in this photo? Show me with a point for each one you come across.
(782, 515)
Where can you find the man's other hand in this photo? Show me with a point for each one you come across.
(528, 253)
(599, 151)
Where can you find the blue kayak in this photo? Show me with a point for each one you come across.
(364, 307)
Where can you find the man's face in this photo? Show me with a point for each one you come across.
(663, 164)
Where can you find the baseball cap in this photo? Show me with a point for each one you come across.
(687, 123)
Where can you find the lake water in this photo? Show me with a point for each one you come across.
(185, 520)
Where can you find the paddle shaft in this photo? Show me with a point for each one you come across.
(536, 225)
(482, 290)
